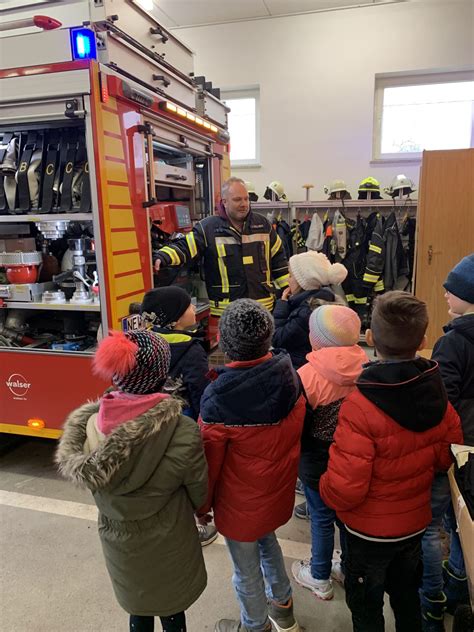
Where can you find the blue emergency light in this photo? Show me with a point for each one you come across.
(83, 44)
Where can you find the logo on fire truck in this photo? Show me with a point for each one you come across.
(18, 385)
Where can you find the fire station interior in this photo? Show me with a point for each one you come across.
(119, 122)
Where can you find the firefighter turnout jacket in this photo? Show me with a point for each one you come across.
(247, 264)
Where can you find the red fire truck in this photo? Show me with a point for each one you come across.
(109, 147)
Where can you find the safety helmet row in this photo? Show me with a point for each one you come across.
(371, 185)
(368, 185)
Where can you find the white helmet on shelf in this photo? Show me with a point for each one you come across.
(278, 189)
(400, 184)
(337, 186)
(253, 197)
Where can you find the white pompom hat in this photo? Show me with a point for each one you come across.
(313, 270)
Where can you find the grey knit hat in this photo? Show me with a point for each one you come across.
(246, 330)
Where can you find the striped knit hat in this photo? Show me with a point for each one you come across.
(137, 362)
(333, 326)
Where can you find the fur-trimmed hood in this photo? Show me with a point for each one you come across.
(96, 469)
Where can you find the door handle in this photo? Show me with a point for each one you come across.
(431, 253)
(175, 176)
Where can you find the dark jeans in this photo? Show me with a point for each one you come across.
(373, 568)
(175, 623)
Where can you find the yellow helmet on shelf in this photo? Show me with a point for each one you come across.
(369, 185)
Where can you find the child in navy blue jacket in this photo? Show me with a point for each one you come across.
(169, 312)
(444, 581)
(311, 274)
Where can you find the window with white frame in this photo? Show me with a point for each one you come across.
(243, 126)
(417, 112)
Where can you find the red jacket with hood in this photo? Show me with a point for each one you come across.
(393, 432)
(251, 422)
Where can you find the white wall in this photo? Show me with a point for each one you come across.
(316, 76)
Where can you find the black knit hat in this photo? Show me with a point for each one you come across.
(137, 361)
(163, 306)
(246, 330)
(460, 281)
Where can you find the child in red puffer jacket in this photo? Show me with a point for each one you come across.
(394, 431)
(251, 421)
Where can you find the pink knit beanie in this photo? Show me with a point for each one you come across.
(333, 326)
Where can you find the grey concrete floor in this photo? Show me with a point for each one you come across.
(53, 578)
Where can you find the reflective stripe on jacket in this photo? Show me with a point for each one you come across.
(375, 258)
(236, 265)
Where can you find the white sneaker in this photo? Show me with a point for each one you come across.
(336, 573)
(336, 568)
(322, 588)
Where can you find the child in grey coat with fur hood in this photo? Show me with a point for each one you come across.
(144, 464)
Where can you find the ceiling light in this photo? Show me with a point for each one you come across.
(145, 4)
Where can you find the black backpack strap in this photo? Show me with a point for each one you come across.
(302, 389)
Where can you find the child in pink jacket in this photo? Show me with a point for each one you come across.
(329, 376)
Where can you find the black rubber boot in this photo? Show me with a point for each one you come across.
(455, 588)
(432, 612)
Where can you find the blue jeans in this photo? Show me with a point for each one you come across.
(259, 574)
(432, 552)
(456, 557)
(322, 534)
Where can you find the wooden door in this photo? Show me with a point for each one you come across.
(445, 230)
